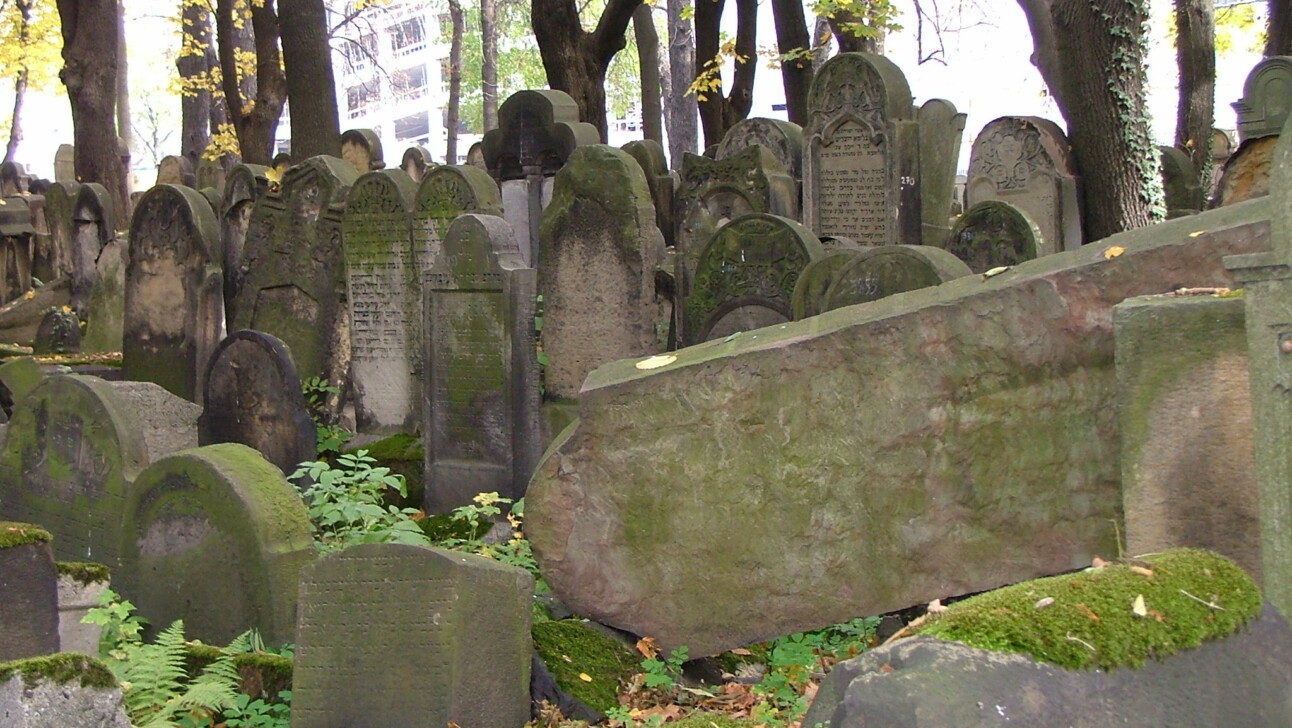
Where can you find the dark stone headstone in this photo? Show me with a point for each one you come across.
(253, 397)
(1267, 99)
(1180, 182)
(994, 233)
(405, 636)
(174, 298)
(105, 325)
(28, 593)
(941, 131)
(92, 228)
(650, 155)
(815, 281)
(215, 536)
(783, 139)
(745, 277)
(52, 257)
(59, 333)
(482, 403)
(246, 184)
(890, 269)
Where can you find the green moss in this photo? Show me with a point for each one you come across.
(571, 648)
(403, 453)
(1091, 622)
(714, 720)
(61, 669)
(263, 675)
(84, 572)
(20, 534)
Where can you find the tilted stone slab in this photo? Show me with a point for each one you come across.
(936, 442)
(404, 636)
(217, 537)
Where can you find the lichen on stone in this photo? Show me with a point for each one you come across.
(1111, 616)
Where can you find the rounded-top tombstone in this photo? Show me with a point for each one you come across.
(745, 277)
(362, 148)
(817, 276)
(537, 131)
(253, 397)
(784, 139)
(992, 234)
(70, 452)
(174, 302)
(1267, 99)
(416, 161)
(891, 269)
(215, 536)
(245, 184)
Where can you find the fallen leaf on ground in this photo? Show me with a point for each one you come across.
(1142, 571)
(935, 607)
(1138, 608)
(585, 677)
(646, 646)
(1113, 252)
(1090, 613)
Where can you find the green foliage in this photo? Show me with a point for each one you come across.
(83, 572)
(1110, 616)
(795, 660)
(477, 518)
(346, 504)
(158, 692)
(331, 437)
(665, 673)
(121, 626)
(249, 713)
(33, 43)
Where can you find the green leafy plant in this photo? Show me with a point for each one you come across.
(121, 626)
(330, 437)
(249, 713)
(664, 673)
(475, 520)
(346, 504)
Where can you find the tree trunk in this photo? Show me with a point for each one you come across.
(451, 112)
(1278, 40)
(311, 88)
(821, 34)
(718, 113)
(796, 73)
(575, 60)
(489, 62)
(125, 130)
(1195, 54)
(257, 121)
(1103, 83)
(89, 73)
(20, 83)
(193, 67)
(1045, 49)
(683, 132)
(648, 60)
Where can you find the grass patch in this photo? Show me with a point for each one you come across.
(1188, 596)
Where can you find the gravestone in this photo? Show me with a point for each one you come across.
(415, 162)
(1180, 183)
(650, 155)
(745, 277)
(52, 258)
(176, 170)
(994, 233)
(598, 255)
(59, 332)
(891, 269)
(784, 139)
(1222, 146)
(435, 638)
(537, 132)
(1267, 99)
(815, 281)
(215, 536)
(1246, 174)
(294, 267)
(941, 131)
(712, 193)
(481, 428)
(210, 173)
(861, 153)
(105, 325)
(174, 298)
(71, 449)
(475, 157)
(253, 397)
(92, 228)
(1025, 161)
(14, 180)
(246, 184)
(385, 302)
(362, 148)
(20, 375)
(65, 164)
(80, 587)
(17, 243)
(28, 592)
(445, 192)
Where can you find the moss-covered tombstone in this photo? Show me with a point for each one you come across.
(402, 636)
(245, 184)
(891, 269)
(215, 536)
(992, 234)
(482, 401)
(811, 286)
(28, 592)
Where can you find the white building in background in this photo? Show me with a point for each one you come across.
(391, 71)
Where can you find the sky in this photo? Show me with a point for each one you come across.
(986, 73)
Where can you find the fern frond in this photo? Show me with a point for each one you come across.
(154, 675)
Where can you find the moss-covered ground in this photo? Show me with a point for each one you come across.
(572, 648)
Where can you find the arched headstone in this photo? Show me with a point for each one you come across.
(784, 139)
(415, 162)
(92, 228)
(817, 276)
(362, 148)
(891, 269)
(993, 233)
(245, 184)
(1267, 99)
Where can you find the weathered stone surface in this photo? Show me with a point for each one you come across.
(744, 278)
(253, 396)
(1246, 175)
(92, 228)
(28, 599)
(52, 257)
(941, 131)
(1180, 182)
(994, 233)
(246, 184)
(384, 296)
(650, 155)
(416, 162)
(815, 281)
(44, 703)
(175, 170)
(1188, 463)
(929, 683)
(174, 298)
(59, 332)
(402, 636)
(537, 132)
(75, 600)
(1267, 98)
(784, 139)
(599, 252)
(891, 269)
(215, 536)
(20, 318)
(20, 375)
(71, 449)
(362, 148)
(935, 442)
(1026, 161)
(105, 325)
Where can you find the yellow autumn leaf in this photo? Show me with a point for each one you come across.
(1194, 235)
(655, 362)
(1113, 252)
(585, 677)
(1138, 608)
(274, 174)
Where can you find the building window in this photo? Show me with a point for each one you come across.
(359, 54)
(361, 99)
(408, 36)
(412, 127)
(409, 83)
